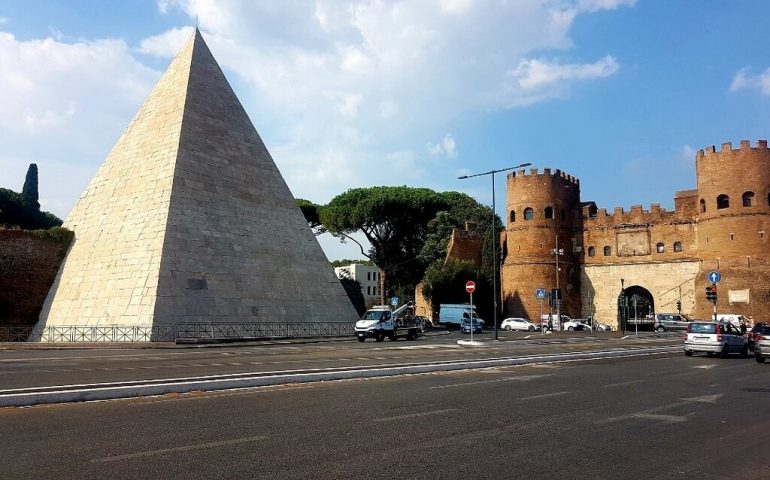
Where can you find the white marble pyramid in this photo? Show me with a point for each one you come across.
(188, 220)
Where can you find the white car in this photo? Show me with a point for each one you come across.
(521, 324)
(715, 339)
(575, 324)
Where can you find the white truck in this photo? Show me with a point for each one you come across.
(379, 322)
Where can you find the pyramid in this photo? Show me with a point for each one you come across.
(189, 220)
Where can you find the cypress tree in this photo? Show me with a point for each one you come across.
(29, 193)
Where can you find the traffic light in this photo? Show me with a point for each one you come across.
(679, 306)
(711, 294)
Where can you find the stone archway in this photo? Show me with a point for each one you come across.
(639, 308)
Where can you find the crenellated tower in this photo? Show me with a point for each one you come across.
(733, 223)
(541, 207)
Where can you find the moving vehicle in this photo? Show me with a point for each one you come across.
(762, 343)
(519, 324)
(754, 333)
(720, 338)
(452, 314)
(670, 321)
(733, 318)
(469, 325)
(575, 324)
(379, 322)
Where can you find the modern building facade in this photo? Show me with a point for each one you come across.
(368, 276)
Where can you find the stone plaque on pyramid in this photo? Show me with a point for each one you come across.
(189, 221)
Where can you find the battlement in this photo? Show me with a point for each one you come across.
(636, 216)
(547, 172)
(727, 148)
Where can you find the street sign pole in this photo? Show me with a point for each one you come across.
(471, 294)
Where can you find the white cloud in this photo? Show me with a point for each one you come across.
(446, 147)
(344, 92)
(743, 80)
(3, 20)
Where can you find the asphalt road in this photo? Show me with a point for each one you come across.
(38, 366)
(664, 416)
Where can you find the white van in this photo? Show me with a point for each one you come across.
(452, 314)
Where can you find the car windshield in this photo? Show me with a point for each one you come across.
(764, 330)
(703, 328)
(373, 315)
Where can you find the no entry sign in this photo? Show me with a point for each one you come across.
(470, 286)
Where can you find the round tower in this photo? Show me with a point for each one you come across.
(733, 226)
(541, 208)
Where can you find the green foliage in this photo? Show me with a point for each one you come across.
(310, 211)
(29, 193)
(395, 222)
(346, 262)
(55, 234)
(23, 210)
(446, 284)
(353, 289)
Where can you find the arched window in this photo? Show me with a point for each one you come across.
(591, 251)
(677, 246)
(607, 251)
(748, 199)
(513, 216)
(548, 213)
(660, 248)
(529, 214)
(723, 201)
(702, 205)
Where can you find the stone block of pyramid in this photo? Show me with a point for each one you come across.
(188, 220)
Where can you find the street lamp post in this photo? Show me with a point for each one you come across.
(494, 234)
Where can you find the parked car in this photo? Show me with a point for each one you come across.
(602, 327)
(467, 325)
(670, 321)
(520, 324)
(754, 333)
(762, 342)
(575, 324)
(715, 338)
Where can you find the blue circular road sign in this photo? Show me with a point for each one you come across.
(714, 277)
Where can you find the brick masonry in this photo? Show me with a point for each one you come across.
(665, 252)
(29, 265)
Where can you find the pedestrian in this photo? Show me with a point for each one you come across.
(743, 326)
(550, 324)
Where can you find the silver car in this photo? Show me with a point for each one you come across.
(670, 321)
(715, 339)
(762, 343)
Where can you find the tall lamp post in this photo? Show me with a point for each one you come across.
(494, 233)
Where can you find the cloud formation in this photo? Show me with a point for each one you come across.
(743, 80)
(344, 93)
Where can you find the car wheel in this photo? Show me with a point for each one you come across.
(379, 336)
(362, 339)
(531, 328)
(508, 328)
(710, 354)
(688, 353)
(660, 329)
(571, 329)
(759, 358)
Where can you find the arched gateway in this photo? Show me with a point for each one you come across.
(636, 308)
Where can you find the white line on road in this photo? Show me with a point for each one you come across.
(544, 395)
(185, 448)
(622, 384)
(652, 413)
(504, 379)
(414, 415)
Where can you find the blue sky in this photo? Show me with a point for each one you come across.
(619, 93)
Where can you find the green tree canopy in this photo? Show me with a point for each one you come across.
(395, 222)
(22, 210)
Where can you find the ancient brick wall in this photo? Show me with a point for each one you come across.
(28, 264)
